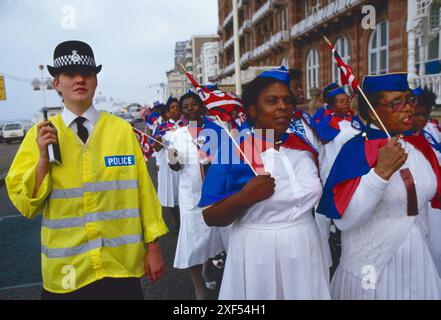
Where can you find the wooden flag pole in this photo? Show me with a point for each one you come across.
(366, 99)
(235, 143)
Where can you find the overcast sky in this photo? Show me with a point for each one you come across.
(133, 39)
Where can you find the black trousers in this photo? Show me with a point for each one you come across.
(105, 289)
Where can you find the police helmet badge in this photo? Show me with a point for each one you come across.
(75, 56)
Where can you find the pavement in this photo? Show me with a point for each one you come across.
(7, 154)
(20, 263)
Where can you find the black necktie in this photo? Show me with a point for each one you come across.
(81, 129)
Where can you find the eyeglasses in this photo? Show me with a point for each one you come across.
(399, 105)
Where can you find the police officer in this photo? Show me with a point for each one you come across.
(101, 215)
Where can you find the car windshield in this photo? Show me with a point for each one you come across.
(13, 126)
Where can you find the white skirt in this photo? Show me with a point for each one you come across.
(275, 262)
(168, 183)
(197, 242)
(410, 275)
(435, 235)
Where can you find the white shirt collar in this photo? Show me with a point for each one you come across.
(68, 116)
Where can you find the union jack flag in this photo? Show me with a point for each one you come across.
(218, 103)
(143, 140)
(346, 73)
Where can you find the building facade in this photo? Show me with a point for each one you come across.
(371, 36)
(209, 61)
(192, 55)
(177, 83)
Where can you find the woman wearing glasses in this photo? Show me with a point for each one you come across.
(378, 193)
(336, 125)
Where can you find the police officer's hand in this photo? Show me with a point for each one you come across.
(390, 159)
(258, 189)
(45, 135)
(153, 262)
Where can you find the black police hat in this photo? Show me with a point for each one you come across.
(73, 56)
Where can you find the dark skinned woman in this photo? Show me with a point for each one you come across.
(197, 242)
(378, 193)
(274, 250)
(168, 180)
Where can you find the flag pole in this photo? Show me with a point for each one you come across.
(235, 143)
(157, 141)
(237, 48)
(365, 98)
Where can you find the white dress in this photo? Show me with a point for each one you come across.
(275, 251)
(385, 252)
(327, 154)
(435, 214)
(168, 180)
(197, 242)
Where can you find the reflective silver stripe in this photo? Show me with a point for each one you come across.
(67, 193)
(93, 187)
(91, 217)
(94, 244)
(110, 185)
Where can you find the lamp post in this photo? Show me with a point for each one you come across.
(237, 47)
(42, 83)
(41, 67)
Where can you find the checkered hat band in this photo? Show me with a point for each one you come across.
(68, 61)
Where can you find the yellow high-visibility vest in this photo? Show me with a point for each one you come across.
(99, 206)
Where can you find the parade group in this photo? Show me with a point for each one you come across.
(363, 171)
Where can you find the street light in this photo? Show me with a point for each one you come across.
(42, 83)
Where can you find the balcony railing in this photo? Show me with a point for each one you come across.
(326, 13)
(228, 19)
(276, 40)
(246, 58)
(229, 69)
(229, 43)
(431, 82)
(246, 27)
(262, 12)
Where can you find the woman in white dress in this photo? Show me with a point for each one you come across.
(378, 193)
(335, 124)
(275, 251)
(426, 101)
(168, 180)
(197, 242)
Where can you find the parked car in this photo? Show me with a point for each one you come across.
(13, 131)
(135, 111)
(1, 133)
(127, 117)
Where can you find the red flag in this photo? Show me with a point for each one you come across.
(218, 103)
(347, 76)
(143, 141)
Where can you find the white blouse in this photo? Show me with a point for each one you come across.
(293, 197)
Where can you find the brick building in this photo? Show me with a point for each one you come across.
(289, 32)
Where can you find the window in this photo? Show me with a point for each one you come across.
(378, 49)
(312, 71)
(342, 47)
(433, 49)
(434, 16)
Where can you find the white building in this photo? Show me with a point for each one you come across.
(424, 46)
(209, 61)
